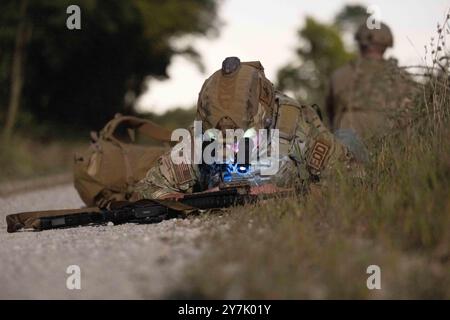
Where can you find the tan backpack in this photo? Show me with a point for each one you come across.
(110, 167)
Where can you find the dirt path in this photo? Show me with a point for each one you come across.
(125, 261)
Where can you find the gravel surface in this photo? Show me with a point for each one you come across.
(117, 262)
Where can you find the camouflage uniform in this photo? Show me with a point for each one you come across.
(368, 95)
(308, 151)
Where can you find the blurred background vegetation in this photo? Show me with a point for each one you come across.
(321, 50)
(57, 84)
(83, 78)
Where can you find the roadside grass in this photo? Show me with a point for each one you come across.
(319, 247)
(41, 149)
(25, 157)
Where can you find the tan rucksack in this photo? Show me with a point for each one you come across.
(110, 167)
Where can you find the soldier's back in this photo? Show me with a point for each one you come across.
(369, 96)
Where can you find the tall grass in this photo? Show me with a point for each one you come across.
(27, 157)
(320, 246)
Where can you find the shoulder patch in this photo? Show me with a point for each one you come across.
(318, 155)
(181, 173)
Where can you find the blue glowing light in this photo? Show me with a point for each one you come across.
(227, 177)
(242, 169)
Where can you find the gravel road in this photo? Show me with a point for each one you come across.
(116, 262)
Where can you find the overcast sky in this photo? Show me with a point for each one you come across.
(265, 30)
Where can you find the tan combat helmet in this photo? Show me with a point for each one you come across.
(382, 36)
(236, 96)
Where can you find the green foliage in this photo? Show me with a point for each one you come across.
(321, 51)
(80, 77)
(36, 150)
(351, 17)
(173, 119)
(28, 158)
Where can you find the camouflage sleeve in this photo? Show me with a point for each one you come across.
(321, 152)
(165, 178)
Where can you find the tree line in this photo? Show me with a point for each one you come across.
(81, 78)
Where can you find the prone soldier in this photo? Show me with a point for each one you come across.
(285, 148)
(239, 96)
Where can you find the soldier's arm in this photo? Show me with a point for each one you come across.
(323, 152)
(166, 179)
